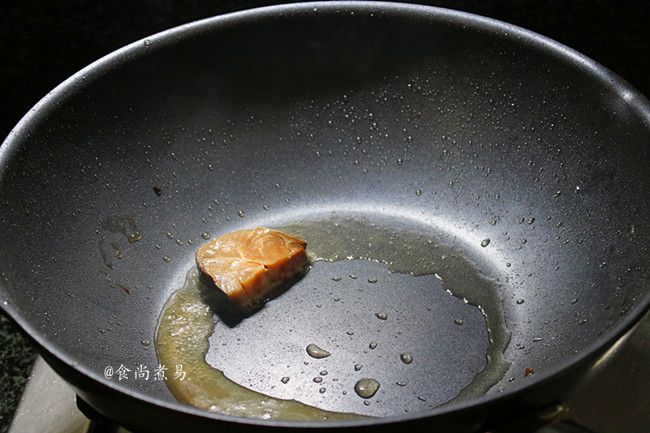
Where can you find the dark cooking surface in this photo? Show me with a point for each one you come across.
(44, 43)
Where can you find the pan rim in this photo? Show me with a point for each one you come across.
(474, 22)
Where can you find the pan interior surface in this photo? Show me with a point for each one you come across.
(522, 159)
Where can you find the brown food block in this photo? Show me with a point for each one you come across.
(248, 264)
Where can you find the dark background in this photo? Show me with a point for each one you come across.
(42, 42)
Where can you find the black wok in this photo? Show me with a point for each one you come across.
(509, 165)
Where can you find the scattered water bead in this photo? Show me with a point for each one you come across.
(381, 316)
(241, 213)
(372, 280)
(458, 322)
(366, 388)
(285, 379)
(485, 242)
(520, 301)
(206, 235)
(406, 358)
(358, 367)
(317, 379)
(316, 352)
(372, 345)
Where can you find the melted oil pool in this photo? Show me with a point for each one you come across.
(261, 365)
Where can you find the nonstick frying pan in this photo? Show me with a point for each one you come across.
(474, 195)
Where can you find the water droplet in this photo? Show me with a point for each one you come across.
(241, 213)
(458, 322)
(317, 379)
(381, 316)
(357, 367)
(400, 383)
(336, 279)
(372, 280)
(485, 242)
(134, 237)
(145, 342)
(350, 332)
(406, 358)
(372, 345)
(366, 388)
(520, 301)
(170, 235)
(322, 390)
(323, 373)
(354, 277)
(179, 242)
(206, 235)
(400, 161)
(418, 192)
(146, 42)
(316, 352)
(167, 259)
(266, 207)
